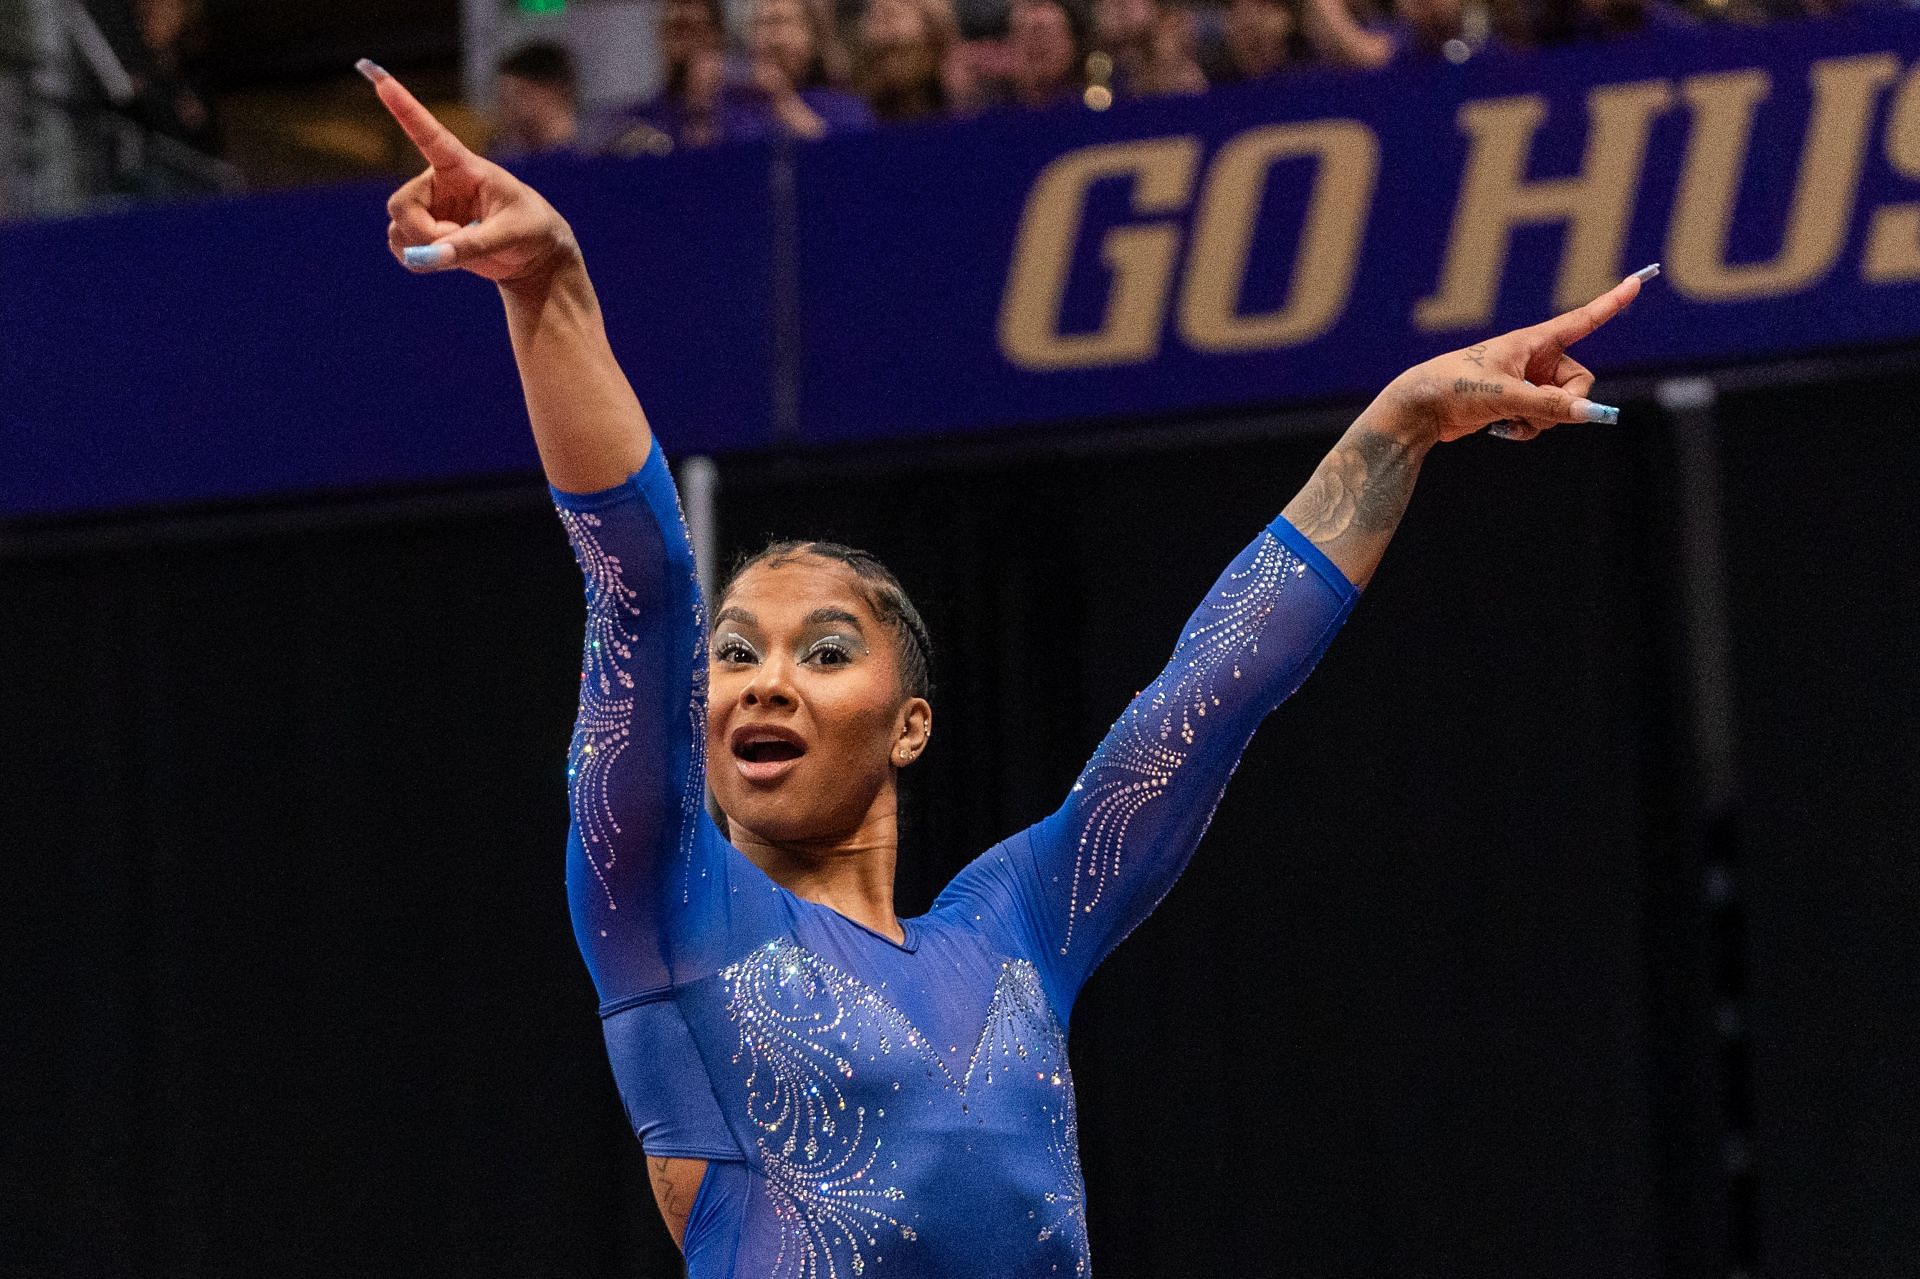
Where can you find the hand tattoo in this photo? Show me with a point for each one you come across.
(1467, 386)
(1477, 354)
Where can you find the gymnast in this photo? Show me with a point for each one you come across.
(821, 1087)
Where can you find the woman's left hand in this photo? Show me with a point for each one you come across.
(1514, 386)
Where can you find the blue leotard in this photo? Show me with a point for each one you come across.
(901, 1109)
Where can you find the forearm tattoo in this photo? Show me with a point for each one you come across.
(1362, 487)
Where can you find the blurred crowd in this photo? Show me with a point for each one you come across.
(812, 67)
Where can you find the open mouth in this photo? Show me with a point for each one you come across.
(768, 751)
(763, 752)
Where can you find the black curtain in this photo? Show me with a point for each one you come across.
(1821, 504)
(300, 998)
(295, 991)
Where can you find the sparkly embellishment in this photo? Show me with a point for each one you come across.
(791, 1008)
(1021, 1032)
(601, 730)
(806, 1029)
(606, 694)
(1151, 740)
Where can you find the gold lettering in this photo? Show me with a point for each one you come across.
(1329, 247)
(1495, 197)
(1845, 92)
(1893, 242)
(1140, 257)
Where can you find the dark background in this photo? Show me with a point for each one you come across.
(1523, 944)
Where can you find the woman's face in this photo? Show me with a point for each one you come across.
(778, 33)
(686, 27)
(1257, 32)
(1120, 24)
(1042, 43)
(893, 24)
(805, 711)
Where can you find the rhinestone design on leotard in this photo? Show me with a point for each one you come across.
(806, 1028)
(606, 695)
(693, 786)
(1153, 736)
(1021, 1034)
(804, 1025)
(600, 731)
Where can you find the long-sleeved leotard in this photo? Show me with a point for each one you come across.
(865, 1104)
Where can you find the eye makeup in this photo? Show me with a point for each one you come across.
(731, 646)
(845, 646)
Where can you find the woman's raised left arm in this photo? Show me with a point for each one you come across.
(1071, 887)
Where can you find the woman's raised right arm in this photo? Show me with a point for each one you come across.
(648, 875)
(467, 213)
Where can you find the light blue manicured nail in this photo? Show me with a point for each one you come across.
(371, 70)
(1646, 273)
(1604, 413)
(425, 257)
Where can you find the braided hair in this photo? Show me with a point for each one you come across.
(877, 585)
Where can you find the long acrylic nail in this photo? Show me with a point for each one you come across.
(372, 70)
(1646, 273)
(1588, 411)
(427, 257)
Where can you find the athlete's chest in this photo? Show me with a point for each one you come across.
(919, 1102)
(819, 1041)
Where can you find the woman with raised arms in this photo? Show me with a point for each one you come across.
(822, 1088)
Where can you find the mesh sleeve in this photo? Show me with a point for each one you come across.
(1070, 888)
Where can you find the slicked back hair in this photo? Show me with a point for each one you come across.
(877, 585)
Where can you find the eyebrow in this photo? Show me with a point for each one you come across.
(831, 614)
(734, 613)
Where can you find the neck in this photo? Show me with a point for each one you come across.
(850, 874)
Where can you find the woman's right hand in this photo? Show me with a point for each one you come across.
(466, 212)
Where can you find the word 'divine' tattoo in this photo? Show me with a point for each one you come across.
(1467, 386)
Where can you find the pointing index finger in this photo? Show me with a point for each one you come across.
(1565, 330)
(435, 141)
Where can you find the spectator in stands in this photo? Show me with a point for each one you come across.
(909, 62)
(787, 82)
(797, 65)
(692, 37)
(536, 103)
(1143, 48)
(1258, 39)
(171, 96)
(1420, 30)
(1046, 50)
(1173, 55)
